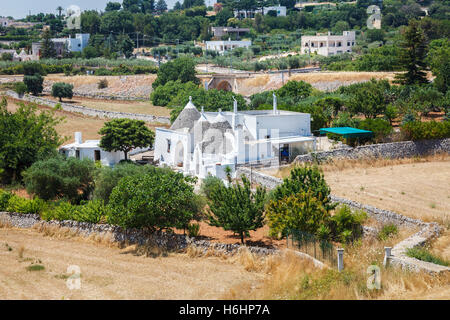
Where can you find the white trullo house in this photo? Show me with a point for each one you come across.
(202, 143)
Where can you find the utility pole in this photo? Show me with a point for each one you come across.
(137, 40)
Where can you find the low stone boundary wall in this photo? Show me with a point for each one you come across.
(102, 96)
(89, 111)
(137, 236)
(393, 150)
(428, 231)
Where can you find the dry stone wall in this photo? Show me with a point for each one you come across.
(91, 112)
(393, 150)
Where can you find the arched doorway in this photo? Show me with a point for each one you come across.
(179, 154)
(224, 85)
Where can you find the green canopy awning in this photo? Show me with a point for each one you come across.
(347, 132)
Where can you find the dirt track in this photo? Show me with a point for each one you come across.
(108, 272)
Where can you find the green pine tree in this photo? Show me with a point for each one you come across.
(47, 46)
(412, 55)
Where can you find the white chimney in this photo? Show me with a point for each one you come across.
(235, 105)
(78, 138)
(275, 111)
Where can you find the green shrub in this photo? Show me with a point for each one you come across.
(107, 178)
(209, 185)
(102, 84)
(380, 128)
(20, 88)
(58, 178)
(4, 198)
(298, 211)
(346, 225)
(93, 211)
(425, 255)
(193, 229)
(159, 200)
(22, 205)
(387, 231)
(426, 130)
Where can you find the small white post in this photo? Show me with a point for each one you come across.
(340, 253)
(387, 256)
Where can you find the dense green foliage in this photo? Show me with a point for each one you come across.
(155, 201)
(107, 178)
(426, 130)
(236, 207)
(26, 135)
(62, 90)
(59, 178)
(125, 135)
(302, 203)
(182, 69)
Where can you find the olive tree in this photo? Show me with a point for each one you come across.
(62, 90)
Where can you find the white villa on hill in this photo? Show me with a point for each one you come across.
(328, 45)
(202, 143)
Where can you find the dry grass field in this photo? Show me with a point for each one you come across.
(142, 107)
(33, 265)
(73, 122)
(416, 187)
(107, 271)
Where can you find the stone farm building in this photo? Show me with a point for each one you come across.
(202, 143)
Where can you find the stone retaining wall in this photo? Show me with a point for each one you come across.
(427, 232)
(172, 242)
(89, 111)
(393, 150)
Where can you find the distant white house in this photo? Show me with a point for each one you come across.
(226, 45)
(5, 22)
(76, 44)
(328, 45)
(90, 149)
(201, 143)
(242, 14)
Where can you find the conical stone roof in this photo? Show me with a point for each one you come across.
(187, 117)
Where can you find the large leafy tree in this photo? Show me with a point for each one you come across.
(368, 98)
(26, 135)
(159, 200)
(296, 90)
(125, 135)
(412, 55)
(182, 69)
(237, 207)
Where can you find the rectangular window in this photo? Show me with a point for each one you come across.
(168, 145)
(77, 154)
(97, 155)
